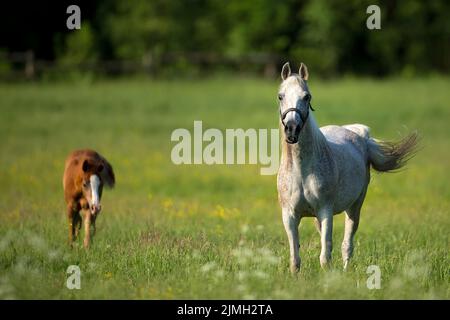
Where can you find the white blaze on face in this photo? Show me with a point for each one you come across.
(292, 103)
(293, 92)
(95, 184)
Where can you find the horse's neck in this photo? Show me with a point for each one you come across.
(311, 146)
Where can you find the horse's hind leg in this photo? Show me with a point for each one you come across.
(71, 226)
(351, 225)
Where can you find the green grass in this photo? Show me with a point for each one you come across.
(171, 231)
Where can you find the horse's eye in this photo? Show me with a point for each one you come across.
(85, 184)
(280, 96)
(307, 97)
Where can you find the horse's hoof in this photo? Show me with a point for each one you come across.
(325, 262)
(346, 265)
(295, 268)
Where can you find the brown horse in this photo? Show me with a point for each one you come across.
(85, 173)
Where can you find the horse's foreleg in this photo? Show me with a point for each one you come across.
(325, 217)
(87, 228)
(94, 229)
(291, 223)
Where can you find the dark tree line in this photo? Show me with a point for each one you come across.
(329, 35)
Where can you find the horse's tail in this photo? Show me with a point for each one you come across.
(388, 156)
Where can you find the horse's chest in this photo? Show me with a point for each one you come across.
(299, 195)
(307, 200)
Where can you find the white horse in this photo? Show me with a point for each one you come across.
(326, 171)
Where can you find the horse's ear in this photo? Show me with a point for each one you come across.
(303, 71)
(85, 166)
(285, 71)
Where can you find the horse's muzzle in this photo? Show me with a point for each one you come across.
(95, 209)
(291, 131)
(291, 140)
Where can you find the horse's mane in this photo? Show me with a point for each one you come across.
(107, 173)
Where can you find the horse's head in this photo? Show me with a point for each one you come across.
(294, 99)
(92, 185)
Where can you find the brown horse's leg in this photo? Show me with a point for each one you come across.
(71, 213)
(87, 228)
(77, 224)
(94, 229)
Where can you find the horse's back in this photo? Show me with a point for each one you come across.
(73, 166)
(348, 138)
(83, 154)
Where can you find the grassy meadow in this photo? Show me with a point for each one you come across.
(213, 232)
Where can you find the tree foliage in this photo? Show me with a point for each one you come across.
(329, 35)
